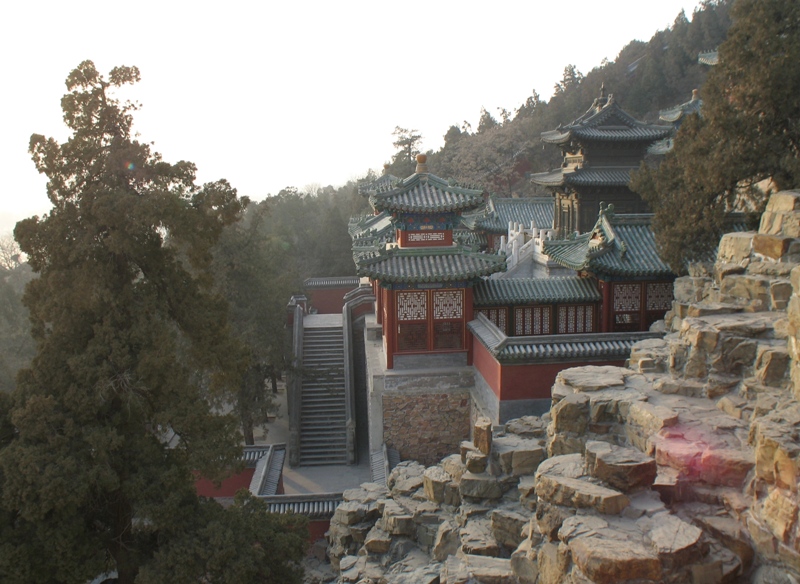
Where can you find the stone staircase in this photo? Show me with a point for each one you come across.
(323, 436)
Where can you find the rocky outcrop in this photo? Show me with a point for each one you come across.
(682, 467)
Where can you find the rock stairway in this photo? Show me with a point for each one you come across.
(323, 437)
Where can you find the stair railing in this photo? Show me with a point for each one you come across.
(355, 298)
(294, 387)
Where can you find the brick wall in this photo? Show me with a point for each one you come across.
(426, 426)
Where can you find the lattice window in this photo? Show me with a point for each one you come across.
(498, 316)
(412, 306)
(519, 327)
(448, 304)
(412, 336)
(573, 319)
(659, 296)
(532, 320)
(447, 335)
(627, 297)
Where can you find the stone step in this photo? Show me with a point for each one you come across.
(322, 460)
(323, 405)
(314, 433)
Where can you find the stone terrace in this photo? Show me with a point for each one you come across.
(681, 468)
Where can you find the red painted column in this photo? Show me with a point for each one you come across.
(390, 329)
(643, 306)
(607, 307)
(378, 292)
(468, 316)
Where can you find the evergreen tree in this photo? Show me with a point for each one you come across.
(407, 143)
(103, 432)
(257, 277)
(749, 131)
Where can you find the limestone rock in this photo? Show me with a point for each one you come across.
(571, 414)
(608, 561)
(435, 481)
(396, 520)
(476, 538)
(476, 462)
(592, 377)
(735, 247)
(550, 518)
(454, 466)
(580, 493)
(507, 527)
(527, 427)
(377, 541)
(732, 535)
(480, 486)
(350, 513)
(482, 438)
(676, 542)
(471, 568)
(524, 563)
(553, 562)
(518, 456)
(447, 541)
(568, 465)
(780, 514)
(651, 418)
(405, 478)
(625, 469)
(366, 493)
(527, 492)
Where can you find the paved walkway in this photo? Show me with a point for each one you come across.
(312, 479)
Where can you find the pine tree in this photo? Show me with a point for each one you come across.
(749, 131)
(105, 429)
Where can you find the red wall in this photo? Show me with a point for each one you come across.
(317, 529)
(328, 300)
(228, 488)
(530, 381)
(484, 362)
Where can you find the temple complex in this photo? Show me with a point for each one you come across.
(423, 282)
(600, 149)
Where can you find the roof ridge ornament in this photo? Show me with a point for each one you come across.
(422, 166)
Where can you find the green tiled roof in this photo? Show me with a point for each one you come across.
(426, 193)
(471, 239)
(340, 282)
(370, 226)
(587, 176)
(621, 245)
(550, 348)
(498, 212)
(505, 291)
(606, 121)
(383, 182)
(674, 114)
(427, 264)
(708, 58)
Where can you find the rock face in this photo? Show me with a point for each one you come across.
(683, 467)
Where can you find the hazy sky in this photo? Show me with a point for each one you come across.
(269, 95)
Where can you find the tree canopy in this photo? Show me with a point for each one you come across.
(748, 132)
(100, 439)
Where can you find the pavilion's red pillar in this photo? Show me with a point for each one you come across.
(390, 329)
(607, 307)
(378, 292)
(468, 316)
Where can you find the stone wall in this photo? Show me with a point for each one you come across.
(426, 426)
